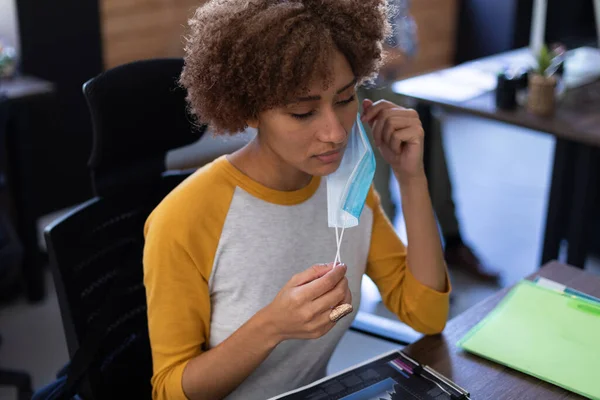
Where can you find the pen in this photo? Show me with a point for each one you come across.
(446, 380)
(438, 385)
(437, 375)
(409, 359)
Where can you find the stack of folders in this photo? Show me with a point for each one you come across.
(546, 330)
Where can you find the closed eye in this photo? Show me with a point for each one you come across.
(311, 113)
(303, 116)
(347, 101)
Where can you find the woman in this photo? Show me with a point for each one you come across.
(239, 299)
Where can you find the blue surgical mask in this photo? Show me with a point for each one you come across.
(348, 186)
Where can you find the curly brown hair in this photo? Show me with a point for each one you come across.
(247, 56)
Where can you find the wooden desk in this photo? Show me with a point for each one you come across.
(576, 126)
(576, 117)
(485, 379)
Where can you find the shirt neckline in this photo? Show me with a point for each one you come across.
(270, 195)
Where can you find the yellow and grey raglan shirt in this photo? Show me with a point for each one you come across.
(221, 246)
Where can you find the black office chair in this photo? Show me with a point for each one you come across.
(138, 114)
(11, 254)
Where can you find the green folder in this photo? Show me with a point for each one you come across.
(550, 335)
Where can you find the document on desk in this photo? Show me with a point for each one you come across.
(456, 84)
(551, 335)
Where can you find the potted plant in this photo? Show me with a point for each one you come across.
(541, 98)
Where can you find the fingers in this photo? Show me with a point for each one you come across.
(407, 136)
(395, 142)
(314, 303)
(373, 111)
(348, 297)
(344, 308)
(383, 109)
(366, 105)
(323, 322)
(389, 118)
(334, 297)
(383, 131)
(324, 284)
(309, 275)
(394, 128)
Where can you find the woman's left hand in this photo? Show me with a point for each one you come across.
(398, 134)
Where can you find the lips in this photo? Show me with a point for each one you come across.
(329, 153)
(330, 156)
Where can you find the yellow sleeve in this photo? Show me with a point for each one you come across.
(419, 306)
(181, 237)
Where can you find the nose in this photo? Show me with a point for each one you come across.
(333, 131)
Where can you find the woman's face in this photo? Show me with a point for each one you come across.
(310, 133)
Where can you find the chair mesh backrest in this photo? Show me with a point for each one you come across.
(88, 249)
(139, 113)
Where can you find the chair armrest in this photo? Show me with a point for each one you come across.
(384, 328)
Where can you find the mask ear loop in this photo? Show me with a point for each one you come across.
(338, 239)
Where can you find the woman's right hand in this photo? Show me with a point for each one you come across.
(301, 309)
